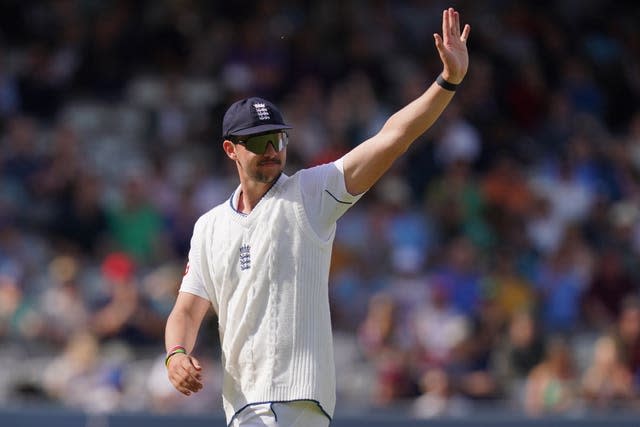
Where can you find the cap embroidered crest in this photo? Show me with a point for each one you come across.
(251, 116)
(262, 111)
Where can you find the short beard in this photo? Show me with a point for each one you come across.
(266, 179)
(261, 177)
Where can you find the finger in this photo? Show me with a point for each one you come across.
(186, 390)
(182, 389)
(438, 40)
(189, 384)
(194, 383)
(451, 14)
(182, 380)
(456, 24)
(179, 385)
(445, 24)
(190, 378)
(465, 33)
(194, 368)
(195, 363)
(184, 375)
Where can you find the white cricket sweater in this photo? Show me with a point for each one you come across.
(266, 275)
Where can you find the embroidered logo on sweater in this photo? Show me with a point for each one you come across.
(262, 111)
(245, 257)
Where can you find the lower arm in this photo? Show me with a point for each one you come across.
(181, 329)
(418, 116)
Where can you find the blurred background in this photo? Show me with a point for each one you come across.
(495, 268)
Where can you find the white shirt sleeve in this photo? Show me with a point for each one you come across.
(325, 196)
(192, 281)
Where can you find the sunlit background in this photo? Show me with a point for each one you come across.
(495, 268)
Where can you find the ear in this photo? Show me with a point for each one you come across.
(230, 149)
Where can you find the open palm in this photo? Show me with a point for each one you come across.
(452, 46)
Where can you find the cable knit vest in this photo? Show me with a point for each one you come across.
(266, 275)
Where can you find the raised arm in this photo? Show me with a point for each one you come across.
(367, 162)
(181, 330)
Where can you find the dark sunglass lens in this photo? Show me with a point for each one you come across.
(259, 144)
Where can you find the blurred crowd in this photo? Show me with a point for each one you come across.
(496, 265)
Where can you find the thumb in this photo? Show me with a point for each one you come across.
(438, 40)
(195, 363)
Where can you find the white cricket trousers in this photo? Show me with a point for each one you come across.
(302, 413)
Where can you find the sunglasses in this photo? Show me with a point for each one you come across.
(258, 143)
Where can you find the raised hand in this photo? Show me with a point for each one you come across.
(452, 46)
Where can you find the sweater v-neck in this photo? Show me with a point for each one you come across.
(235, 196)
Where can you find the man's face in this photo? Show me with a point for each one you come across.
(267, 163)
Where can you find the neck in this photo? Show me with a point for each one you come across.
(251, 192)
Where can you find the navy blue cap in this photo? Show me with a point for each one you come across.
(250, 116)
